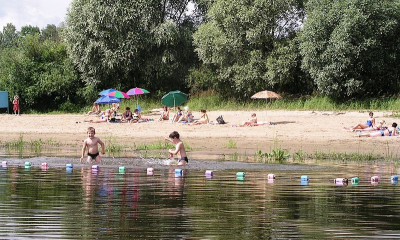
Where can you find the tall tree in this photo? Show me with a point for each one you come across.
(50, 32)
(239, 36)
(10, 36)
(130, 43)
(351, 48)
(28, 29)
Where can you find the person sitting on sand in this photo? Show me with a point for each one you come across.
(114, 109)
(187, 116)
(250, 122)
(136, 117)
(127, 115)
(164, 114)
(95, 109)
(203, 119)
(177, 115)
(391, 131)
(370, 123)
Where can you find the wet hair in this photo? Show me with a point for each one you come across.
(174, 134)
(394, 124)
(128, 108)
(91, 129)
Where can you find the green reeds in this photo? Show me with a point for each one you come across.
(231, 144)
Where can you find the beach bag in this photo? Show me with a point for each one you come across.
(220, 120)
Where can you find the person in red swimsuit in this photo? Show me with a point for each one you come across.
(16, 105)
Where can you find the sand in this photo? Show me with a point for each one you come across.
(308, 131)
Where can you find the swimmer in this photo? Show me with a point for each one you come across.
(91, 143)
(179, 148)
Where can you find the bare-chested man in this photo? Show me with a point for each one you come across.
(179, 148)
(92, 144)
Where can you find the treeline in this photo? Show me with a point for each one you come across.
(344, 49)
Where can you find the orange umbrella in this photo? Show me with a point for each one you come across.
(265, 95)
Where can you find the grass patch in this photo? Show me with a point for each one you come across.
(346, 156)
(112, 147)
(231, 144)
(154, 146)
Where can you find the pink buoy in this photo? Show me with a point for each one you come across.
(150, 171)
(271, 176)
(271, 180)
(209, 173)
(374, 179)
(95, 167)
(4, 164)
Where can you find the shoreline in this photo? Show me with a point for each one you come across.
(305, 131)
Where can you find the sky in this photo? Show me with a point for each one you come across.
(33, 12)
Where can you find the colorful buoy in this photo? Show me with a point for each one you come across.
(4, 164)
(209, 173)
(178, 172)
(69, 165)
(240, 174)
(121, 169)
(271, 176)
(304, 182)
(374, 179)
(28, 164)
(304, 178)
(394, 178)
(95, 167)
(150, 171)
(355, 180)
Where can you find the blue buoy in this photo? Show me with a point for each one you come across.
(355, 180)
(304, 178)
(304, 182)
(394, 177)
(240, 174)
(178, 172)
(394, 182)
(28, 164)
(69, 165)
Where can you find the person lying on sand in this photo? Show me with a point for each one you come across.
(376, 127)
(203, 119)
(391, 131)
(370, 123)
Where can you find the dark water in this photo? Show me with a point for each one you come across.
(56, 204)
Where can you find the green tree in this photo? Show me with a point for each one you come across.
(50, 32)
(239, 36)
(25, 30)
(41, 74)
(9, 36)
(351, 47)
(123, 44)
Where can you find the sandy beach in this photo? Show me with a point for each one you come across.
(309, 131)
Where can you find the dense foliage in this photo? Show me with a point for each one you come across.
(125, 44)
(344, 49)
(351, 48)
(38, 70)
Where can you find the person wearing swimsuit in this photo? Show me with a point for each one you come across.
(370, 123)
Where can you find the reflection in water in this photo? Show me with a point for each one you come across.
(105, 204)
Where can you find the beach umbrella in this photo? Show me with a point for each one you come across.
(106, 92)
(107, 100)
(265, 95)
(174, 98)
(137, 91)
(118, 94)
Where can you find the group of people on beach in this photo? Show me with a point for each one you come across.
(371, 129)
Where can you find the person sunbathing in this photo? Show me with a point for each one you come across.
(136, 117)
(251, 121)
(127, 115)
(390, 131)
(370, 123)
(376, 127)
(203, 119)
(164, 114)
(177, 115)
(95, 109)
(187, 116)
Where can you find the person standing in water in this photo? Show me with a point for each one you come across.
(91, 143)
(179, 148)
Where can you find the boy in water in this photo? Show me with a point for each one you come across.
(179, 148)
(92, 144)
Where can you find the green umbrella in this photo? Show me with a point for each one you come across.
(174, 98)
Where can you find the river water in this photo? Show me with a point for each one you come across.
(57, 203)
